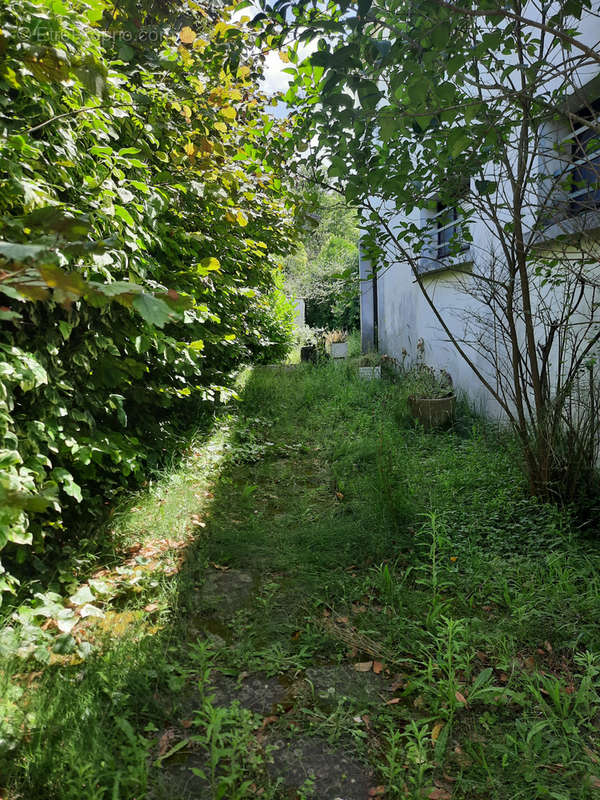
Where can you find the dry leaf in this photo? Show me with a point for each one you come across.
(186, 723)
(267, 721)
(363, 666)
(342, 620)
(187, 35)
(377, 667)
(439, 794)
(393, 701)
(594, 782)
(151, 607)
(437, 729)
(219, 566)
(377, 791)
(165, 741)
(461, 698)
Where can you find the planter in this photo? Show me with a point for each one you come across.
(433, 412)
(369, 373)
(308, 354)
(339, 349)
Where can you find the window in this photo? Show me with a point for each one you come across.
(447, 226)
(582, 147)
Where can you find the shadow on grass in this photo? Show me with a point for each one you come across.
(305, 487)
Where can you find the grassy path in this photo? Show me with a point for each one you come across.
(320, 600)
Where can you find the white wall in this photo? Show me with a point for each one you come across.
(405, 318)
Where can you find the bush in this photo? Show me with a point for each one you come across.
(141, 225)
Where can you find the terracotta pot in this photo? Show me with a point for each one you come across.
(433, 412)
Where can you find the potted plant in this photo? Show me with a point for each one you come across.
(337, 344)
(369, 366)
(431, 397)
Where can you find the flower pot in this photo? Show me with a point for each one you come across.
(308, 354)
(433, 412)
(339, 349)
(369, 373)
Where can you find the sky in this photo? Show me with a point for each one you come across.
(276, 80)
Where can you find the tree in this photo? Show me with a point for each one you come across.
(477, 108)
(324, 268)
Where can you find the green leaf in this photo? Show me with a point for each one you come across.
(82, 596)
(122, 213)
(154, 311)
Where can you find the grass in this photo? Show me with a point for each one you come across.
(370, 540)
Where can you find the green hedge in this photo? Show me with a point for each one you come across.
(141, 222)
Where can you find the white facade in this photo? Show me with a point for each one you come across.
(396, 318)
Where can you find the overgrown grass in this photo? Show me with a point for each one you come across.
(369, 539)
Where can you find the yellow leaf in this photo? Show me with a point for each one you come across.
(241, 219)
(363, 666)
(230, 217)
(220, 126)
(228, 112)
(284, 57)
(243, 72)
(437, 729)
(190, 149)
(187, 112)
(187, 35)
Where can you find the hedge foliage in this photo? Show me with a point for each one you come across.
(142, 215)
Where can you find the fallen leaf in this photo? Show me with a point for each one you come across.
(439, 794)
(393, 701)
(151, 607)
(461, 698)
(219, 566)
(342, 620)
(296, 635)
(187, 723)
(268, 721)
(165, 741)
(594, 782)
(377, 791)
(377, 667)
(589, 752)
(363, 666)
(529, 663)
(548, 646)
(367, 720)
(339, 495)
(437, 729)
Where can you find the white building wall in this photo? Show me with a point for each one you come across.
(405, 320)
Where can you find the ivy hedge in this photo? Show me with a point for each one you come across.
(143, 213)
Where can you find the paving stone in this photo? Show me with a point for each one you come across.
(177, 781)
(335, 773)
(227, 592)
(343, 680)
(257, 692)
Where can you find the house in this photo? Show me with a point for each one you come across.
(437, 290)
